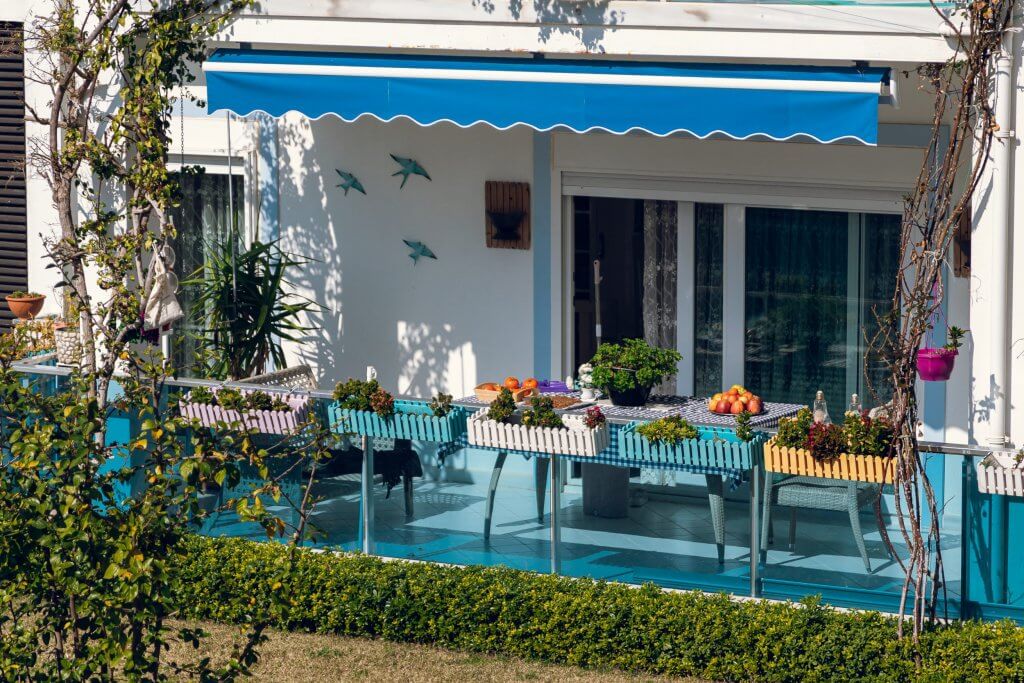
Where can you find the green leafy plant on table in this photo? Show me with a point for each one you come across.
(541, 413)
(503, 407)
(744, 432)
(364, 395)
(793, 430)
(866, 435)
(441, 404)
(628, 371)
(668, 430)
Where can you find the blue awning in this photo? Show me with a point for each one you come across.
(739, 101)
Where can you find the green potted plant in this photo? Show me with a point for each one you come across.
(936, 365)
(254, 409)
(628, 372)
(25, 305)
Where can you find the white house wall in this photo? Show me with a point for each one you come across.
(445, 324)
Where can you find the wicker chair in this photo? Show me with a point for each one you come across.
(815, 494)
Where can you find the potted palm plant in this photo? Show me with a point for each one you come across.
(628, 372)
(936, 365)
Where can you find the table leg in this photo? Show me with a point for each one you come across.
(499, 462)
(540, 482)
(755, 529)
(717, 503)
(556, 514)
(366, 486)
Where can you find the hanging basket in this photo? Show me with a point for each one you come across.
(412, 420)
(936, 365)
(714, 447)
(283, 422)
(1002, 474)
(874, 469)
(573, 439)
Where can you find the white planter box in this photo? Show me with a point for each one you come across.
(282, 422)
(575, 439)
(1000, 473)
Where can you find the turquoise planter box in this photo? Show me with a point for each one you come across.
(412, 420)
(715, 447)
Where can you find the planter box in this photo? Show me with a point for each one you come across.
(266, 421)
(874, 469)
(69, 346)
(574, 439)
(715, 447)
(412, 420)
(1000, 473)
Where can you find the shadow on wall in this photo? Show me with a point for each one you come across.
(311, 234)
(431, 358)
(586, 21)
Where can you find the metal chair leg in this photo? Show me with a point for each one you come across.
(717, 503)
(792, 529)
(499, 462)
(767, 528)
(854, 510)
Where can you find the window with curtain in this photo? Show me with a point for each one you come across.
(813, 279)
(203, 220)
(709, 221)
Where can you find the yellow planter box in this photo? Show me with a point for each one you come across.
(869, 468)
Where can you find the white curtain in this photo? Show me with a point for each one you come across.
(660, 275)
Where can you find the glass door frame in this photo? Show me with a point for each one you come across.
(736, 198)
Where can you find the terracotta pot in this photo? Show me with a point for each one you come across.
(936, 365)
(26, 307)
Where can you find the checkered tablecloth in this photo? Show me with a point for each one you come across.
(694, 410)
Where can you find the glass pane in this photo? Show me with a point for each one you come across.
(709, 220)
(796, 304)
(881, 259)
(202, 221)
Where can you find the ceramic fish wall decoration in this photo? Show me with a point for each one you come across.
(419, 250)
(410, 167)
(349, 182)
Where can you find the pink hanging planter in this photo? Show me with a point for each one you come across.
(936, 365)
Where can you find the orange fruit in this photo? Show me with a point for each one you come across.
(529, 383)
(511, 383)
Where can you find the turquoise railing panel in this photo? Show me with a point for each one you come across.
(412, 420)
(713, 448)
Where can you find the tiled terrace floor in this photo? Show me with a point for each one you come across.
(669, 540)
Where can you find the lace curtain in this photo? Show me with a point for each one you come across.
(660, 276)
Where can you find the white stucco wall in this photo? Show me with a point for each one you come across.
(445, 324)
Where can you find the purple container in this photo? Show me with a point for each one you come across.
(936, 365)
(552, 386)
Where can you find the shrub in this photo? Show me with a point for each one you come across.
(582, 622)
(441, 405)
(368, 396)
(503, 407)
(867, 436)
(793, 430)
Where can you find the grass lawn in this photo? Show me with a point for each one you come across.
(309, 658)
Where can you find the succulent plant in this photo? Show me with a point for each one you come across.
(541, 413)
(503, 407)
(594, 417)
(441, 405)
(669, 430)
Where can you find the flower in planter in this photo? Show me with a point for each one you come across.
(594, 417)
(866, 435)
(793, 430)
(382, 403)
(825, 441)
(668, 430)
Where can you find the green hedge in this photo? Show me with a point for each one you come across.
(582, 622)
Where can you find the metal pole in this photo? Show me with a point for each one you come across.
(755, 527)
(366, 489)
(597, 300)
(231, 218)
(556, 521)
